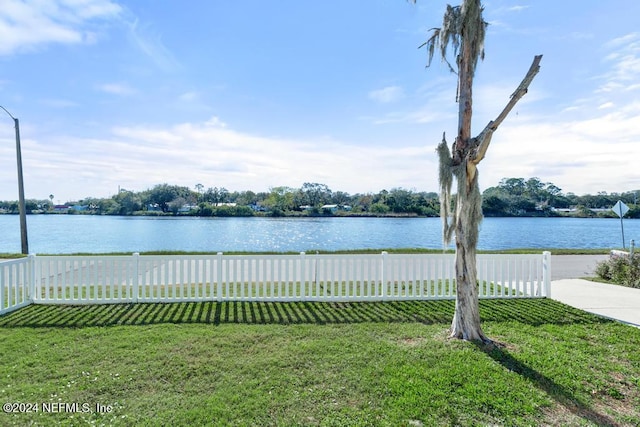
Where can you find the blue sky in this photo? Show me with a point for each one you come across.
(256, 94)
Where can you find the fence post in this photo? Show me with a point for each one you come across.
(383, 274)
(136, 275)
(303, 277)
(546, 272)
(32, 278)
(219, 276)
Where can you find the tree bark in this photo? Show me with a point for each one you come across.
(466, 319)
(467, 153)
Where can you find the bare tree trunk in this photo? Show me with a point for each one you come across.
(466, 319)
(464, 28)
(462, 162)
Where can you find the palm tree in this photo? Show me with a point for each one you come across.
(463, 29)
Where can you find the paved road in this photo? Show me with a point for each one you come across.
(574, 266)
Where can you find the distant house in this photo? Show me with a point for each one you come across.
(336, 208)
(564, 210)
(187, 208)
(257, 208)
(61, 208)
(331, 208)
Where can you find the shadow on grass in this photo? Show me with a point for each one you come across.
(559, 393)
(528, 311)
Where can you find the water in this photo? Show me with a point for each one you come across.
(57, 234)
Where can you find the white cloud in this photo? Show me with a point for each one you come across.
(426, 114)
(116, 89)
(152, 46)
(590, 147)
(623, 41)
(624, 64)
(215, 122)
(140, 157)
(26, 25)
(439, 105)
(188, 96)
(387, 94)
(58, 103)
(581, 156)
(518, 8)
(434, 94)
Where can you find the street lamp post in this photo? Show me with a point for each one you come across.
(21, 203)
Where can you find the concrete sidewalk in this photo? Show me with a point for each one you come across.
(612, 301)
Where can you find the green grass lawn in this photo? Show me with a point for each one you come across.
(319, 364)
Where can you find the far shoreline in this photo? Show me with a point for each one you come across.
(303, 215)
(516, 251)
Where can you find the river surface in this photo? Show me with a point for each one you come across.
(63, 234)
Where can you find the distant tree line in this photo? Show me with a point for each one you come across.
(512, 197)
(532, 197)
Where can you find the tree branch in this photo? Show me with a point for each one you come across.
(484, 138)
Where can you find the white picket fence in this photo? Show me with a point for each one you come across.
(303, 277)
(16, 280)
